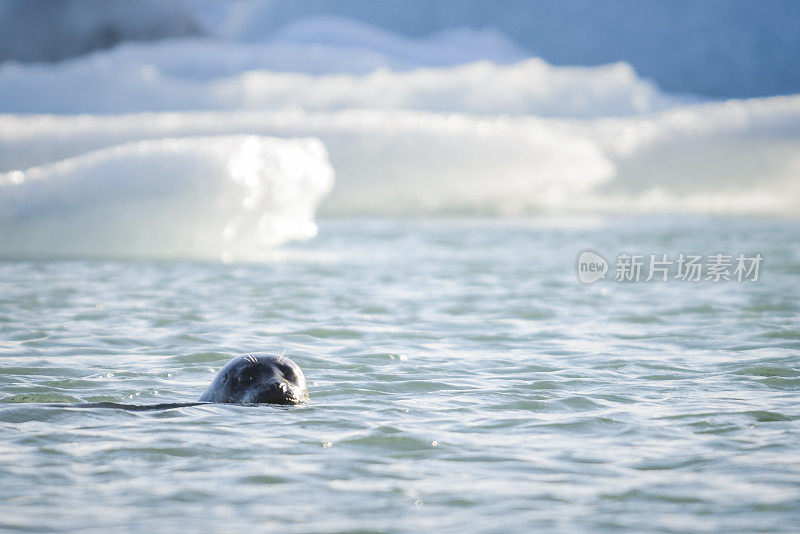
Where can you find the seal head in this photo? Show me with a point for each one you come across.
(258, 379)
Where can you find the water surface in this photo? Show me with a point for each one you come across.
(462, 379)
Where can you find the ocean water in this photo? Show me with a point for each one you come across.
(461, 379)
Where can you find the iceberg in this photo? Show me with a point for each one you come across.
(223, 197)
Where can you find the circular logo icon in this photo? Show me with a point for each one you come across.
(591, 267)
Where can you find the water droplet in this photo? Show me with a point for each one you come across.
(418, 503)
(327, 445)
(435, 443)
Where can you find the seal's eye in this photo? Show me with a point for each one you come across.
(288, 372)
(247, 375)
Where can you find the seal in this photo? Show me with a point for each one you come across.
(248, 379)
(258, 379)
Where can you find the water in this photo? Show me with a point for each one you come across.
(461, 379)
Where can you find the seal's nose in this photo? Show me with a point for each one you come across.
(276, 392)
(279, 387)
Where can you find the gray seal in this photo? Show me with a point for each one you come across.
(248, 379)
(258, 379)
